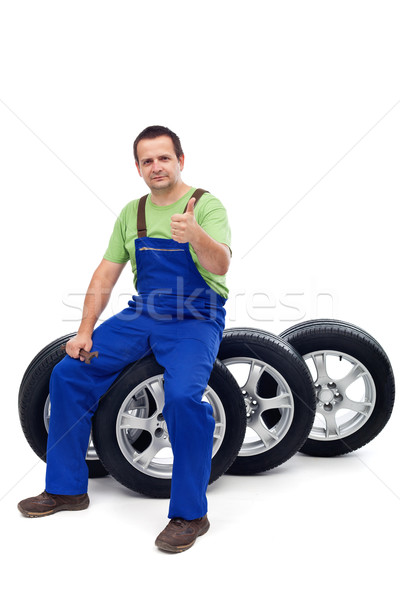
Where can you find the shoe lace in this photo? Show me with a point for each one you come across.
(179, 522)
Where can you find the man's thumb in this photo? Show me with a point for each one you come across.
(190, 205)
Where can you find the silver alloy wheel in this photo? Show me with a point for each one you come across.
(341, 411)
(133, 420)
(259, 437)
(91, 453)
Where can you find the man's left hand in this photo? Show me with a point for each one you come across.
(184, 227)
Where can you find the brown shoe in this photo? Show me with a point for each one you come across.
(47, 504)
(179, 534)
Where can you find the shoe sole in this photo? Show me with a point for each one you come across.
(33, 515)
(176, 549)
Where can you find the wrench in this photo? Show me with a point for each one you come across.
(85, 354)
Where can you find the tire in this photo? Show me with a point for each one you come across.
(131, 455)
(355, 399)
(279, 397)
(34, 403)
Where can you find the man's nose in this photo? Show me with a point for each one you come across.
(156, 166)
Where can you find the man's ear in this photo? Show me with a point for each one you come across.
(181, 161)
(138, 168)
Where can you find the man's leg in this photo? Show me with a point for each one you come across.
(75, 389)
(190, 425)
(188, 365)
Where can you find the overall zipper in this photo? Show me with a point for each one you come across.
(162, 249)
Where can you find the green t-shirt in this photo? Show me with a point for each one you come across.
(210, 215)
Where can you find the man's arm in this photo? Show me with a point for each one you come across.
(213, 256)
(96, 299)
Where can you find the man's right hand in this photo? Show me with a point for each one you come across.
(75, 344)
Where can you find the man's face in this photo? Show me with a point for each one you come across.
(158, 163)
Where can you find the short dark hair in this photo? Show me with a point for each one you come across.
(155, 131)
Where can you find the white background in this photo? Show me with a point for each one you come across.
(289, 112)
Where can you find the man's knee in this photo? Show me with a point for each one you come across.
(181, 400)
(67, 369)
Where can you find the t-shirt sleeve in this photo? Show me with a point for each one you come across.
(214, 220)
(116, 251)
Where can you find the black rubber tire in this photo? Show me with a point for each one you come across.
(340, 336)
(32, 397)
(105, 419)
(281, 356)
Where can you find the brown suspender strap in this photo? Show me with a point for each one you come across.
(141, 218)
(196, 194)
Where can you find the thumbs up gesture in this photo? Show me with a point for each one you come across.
(184, 227)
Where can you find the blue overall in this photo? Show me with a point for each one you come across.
(180, 318)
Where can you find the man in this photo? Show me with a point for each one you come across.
(179, 255)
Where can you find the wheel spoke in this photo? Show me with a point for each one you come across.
(157, 390)
(332, 428)
(320, 365)
(262, 431)
(129, 421)
(254, 376)
(281, 401)
(219, 430)
(355, 372)
(358, 407)
(145, 457)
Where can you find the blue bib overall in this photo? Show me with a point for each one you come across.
(180, 318)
